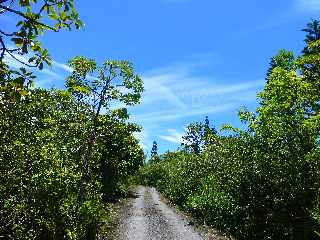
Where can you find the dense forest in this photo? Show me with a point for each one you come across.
(67, 153)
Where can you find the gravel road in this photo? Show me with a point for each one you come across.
(148, 217)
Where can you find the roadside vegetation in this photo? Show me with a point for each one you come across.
(64, 152)
(260, 181)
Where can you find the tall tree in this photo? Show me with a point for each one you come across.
(284, 59)
(210, 133)
(313, 34)
(154, 152)
(310, 67)
(115, 81)
(198, 135)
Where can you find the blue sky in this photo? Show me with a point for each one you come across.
(197, 57)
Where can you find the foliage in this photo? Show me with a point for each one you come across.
(40, 168)
(313, 34)
(41, 165)
(44, 136)
(34, 19)
(61, 150)
(284, 60)
(261, 182)
(198, 135)
(121, 157)
(115, 82)
(154, 158)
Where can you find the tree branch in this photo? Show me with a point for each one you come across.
(3, 49)
(28, 18)
(15, 58)
(9, 6)
(48, 5)
(6, 34)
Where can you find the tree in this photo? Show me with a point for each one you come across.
(44, 144)
(210, 133)
(313, 34)
(192, 141)
(284, 59)
(41, 168)
(154, 153)
(121, 155)
(285, 132)
(154, 150)
(34, 19)
(115, 82)
(198, 136)
(310, 68)
(21, 42)
(55, 144)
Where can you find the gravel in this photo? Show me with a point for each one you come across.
(148, 217)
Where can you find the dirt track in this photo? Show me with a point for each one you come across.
(148, 217)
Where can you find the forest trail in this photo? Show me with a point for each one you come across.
(148, 217)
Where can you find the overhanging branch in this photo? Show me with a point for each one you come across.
(28, 18)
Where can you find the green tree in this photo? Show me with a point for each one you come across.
(154, 158)
(198, 135)
(154, 150)
(54, 154)
(115, 82)
(313, 34)
(34, 19)
(121, 155)
(284, 59)
(41, 168)
(21, 41)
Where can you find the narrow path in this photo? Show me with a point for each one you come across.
(147, 217)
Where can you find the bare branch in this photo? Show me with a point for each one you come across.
(6, 34)
(17, 59)
(3, 49)
(9, 6)
(14, 50)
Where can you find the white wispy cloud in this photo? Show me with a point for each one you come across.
(144, 139)
(173, 136)
(172, 115)
(156, 89)
(165, 84)
(175, 92)
(52, 71)
(62, 66)
(24, 58)
(44, 82)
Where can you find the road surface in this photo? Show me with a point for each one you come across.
(148, 217)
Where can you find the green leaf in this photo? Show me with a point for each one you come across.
(17, 41)
(53, 16)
